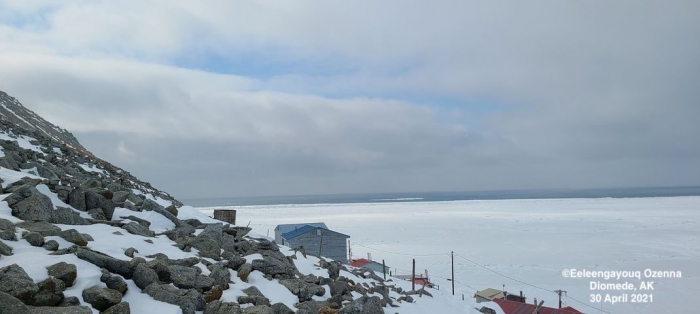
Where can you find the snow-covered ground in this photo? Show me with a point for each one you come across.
(523, 244)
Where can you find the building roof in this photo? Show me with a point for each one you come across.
(291, 227)
(490, 294)
(308, 228)
(360, 262)
(514, 307)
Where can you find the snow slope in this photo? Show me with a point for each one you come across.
(531, 241)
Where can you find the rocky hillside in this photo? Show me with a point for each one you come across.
(79, 235)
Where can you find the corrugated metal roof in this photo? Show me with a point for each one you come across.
(513, 307)
(299, 231)
(291, 227)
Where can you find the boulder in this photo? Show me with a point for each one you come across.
(73, 236)
(7, 230)
(138, 229)
(364, 305)
(101, 298)
(144, 276)
(5, 249)
(66, 216)
(244, 271)
(220, 275)
(27, 203)
(305, 291)
(218, 307)
(121, 308)
(130, 252)
(188, 278)
(112, 264)
(75, 309)
(50, 245)
(50, 292)
(281, 308)
(12, 305)
(64, 272)
(97, 213)
(188, 300)
(117, 283)
(70, 301)
(44, 228)
(34, 238)
(15, 282)
(274, 267)
(76, 198)
(258, 309)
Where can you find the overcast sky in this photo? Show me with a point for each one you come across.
(253, 98)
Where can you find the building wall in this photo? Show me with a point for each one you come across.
(278, 237)
(334, 245)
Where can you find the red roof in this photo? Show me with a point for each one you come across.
(513, 307)
(360, 262)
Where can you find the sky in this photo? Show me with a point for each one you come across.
(257, 98)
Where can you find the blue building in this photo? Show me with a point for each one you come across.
(315, 238)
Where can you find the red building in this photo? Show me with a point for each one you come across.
(513, 307)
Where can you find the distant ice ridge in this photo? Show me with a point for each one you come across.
(398, 199)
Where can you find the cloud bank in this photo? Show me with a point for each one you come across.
(307, 97)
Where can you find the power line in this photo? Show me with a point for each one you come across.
(509, 277)
(405, 254)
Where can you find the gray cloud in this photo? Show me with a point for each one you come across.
(546, 94)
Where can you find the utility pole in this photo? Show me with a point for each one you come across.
(559, 293)
(384, 269)
(413, 276)
(452, 254)
(537, 308)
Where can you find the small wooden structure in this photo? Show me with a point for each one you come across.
(225, 215)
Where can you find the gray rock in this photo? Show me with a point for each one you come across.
(141, 221)
(310, 307)
(12, 305)
(218, 307)
(70, 301)
(28, 203)
(274, 267)
(76, 198)
(66, 216)
(281, 308)
(60, 310)
(120, 197)
(5, 249)
(15, 282)
(188, 300)
(144, 276)
(101, 298)
(117, 283)
(93, 199)
(51, 245)
(188, 278)
(258, 309)
(220, 275)
(44, 228)
(64, 272)
(234, 262)
(97, 213)
(254, 296)
(334, 269)
(73, 236)
(121, 308)
(34, 238)
(244, 271)
(138, 229)
(364, 305)
(7, 230)
(150, 205)
(339, 287)
(304, 290)
(130, 252)
(161, 268)
(50, 292)
(112, 264)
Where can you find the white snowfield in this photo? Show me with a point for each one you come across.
(524, 245)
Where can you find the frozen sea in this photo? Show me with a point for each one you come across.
(524, 244)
